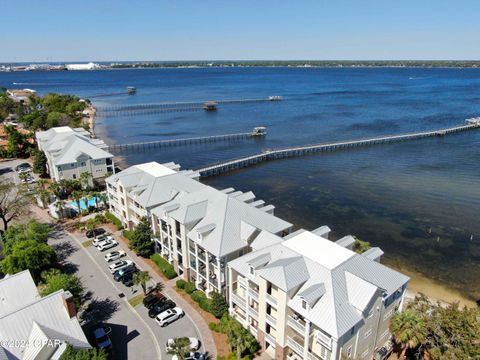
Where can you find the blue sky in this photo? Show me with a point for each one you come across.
(104, 30)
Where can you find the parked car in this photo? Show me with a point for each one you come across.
(102, 337)
(120, 265)
(169, 316)
(95, 232)
(194, 343)
(160, 307)
(99, 239)
(114, 255)
(127, 279)
(107, 244)
(119, 274)
(23, 167)
(152, 298)
(191, 356)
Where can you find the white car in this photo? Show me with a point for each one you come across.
(120, 265)
(114, 255)
(101, 238)
(169, 316)
(194, 343)
(107, 244)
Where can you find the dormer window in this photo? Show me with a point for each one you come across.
(251, 270)
(304, 305)
(199, 236)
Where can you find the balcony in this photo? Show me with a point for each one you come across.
(239, 300)
(253, 313)
(271, 320)
(271, 300)
(324, 339)
(312, 356)
(296, 324)
(294, 344)
(270, 339)
(253, 294)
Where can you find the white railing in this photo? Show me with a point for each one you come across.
(253, 294)
(270, 339)
(296, 325)
(271, 319)
(295, 346)
(238, 300)
(324, 339)
(271, 300)
(253, 313)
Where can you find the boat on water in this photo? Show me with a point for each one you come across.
(275, 98)
(131, 90)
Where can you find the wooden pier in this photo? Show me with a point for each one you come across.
(179, 106)
(257, 132)
(295, 151)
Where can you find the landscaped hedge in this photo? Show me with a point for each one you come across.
(201, 299)
(128, 234)
(165, 267)
(181, 284)
(115, 221)
(190, 288)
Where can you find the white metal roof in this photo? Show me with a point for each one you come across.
(319, 249)
(16, 291)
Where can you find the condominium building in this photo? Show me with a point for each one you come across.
(306, 297)
(71, 152)
(35, 327)
(201, 231)
(135, 191)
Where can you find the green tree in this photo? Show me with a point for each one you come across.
(409, 330)
(54, 280)
(240, 340)
(360, 246)
(31, 255)
(141, 239)
(39, 163)
(86, 180)
(180, 347)
(14, 202)
(218, 305)
(32, 230)
(102, 198)
(83, 354)
(60, 207)
(142, 278)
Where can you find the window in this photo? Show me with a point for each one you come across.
(74, 176)
(251, 270)
(304, 304)
(83, 163)
(349, 352)
(368, 333)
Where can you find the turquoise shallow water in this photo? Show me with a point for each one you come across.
(418, 200)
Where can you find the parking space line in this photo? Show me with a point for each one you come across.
(157, 345)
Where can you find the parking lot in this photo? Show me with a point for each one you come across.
(181, 327)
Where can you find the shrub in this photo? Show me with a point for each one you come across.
(128, 234)
(115, 221)
(181, 284)
(218, 305)
(190, 287)
(214, 327)
(164, 266)
(201, 299)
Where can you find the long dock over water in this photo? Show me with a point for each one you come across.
(257, 132)
(181, 106)
(295, 151)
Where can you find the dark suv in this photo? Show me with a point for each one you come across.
(152, 299)
(160, 307)
(127, 279)
(94, 232)
(120, 274)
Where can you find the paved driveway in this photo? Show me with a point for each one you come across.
(179, 328)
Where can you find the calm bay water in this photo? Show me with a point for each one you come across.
(419, 201)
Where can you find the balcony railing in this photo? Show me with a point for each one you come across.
(324, 339)
(253, 313)
(311, 356)
(271, 300)
(295, 346)
(270, 339)
(296, 325)
(253, 294)
(238, 300)
(271, 320)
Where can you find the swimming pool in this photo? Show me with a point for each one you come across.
(83, 206)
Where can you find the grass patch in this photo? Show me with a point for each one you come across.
(115, 221)
(136, 300)
(164, 266)
(128, 234)
(87, 243)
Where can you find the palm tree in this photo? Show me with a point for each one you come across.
(94, 195)
(59, 207)
(102, 198)
(409, 330)
(56, 189)
(77, 196)
(141, 278)
(85, 178)
(179, 347)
